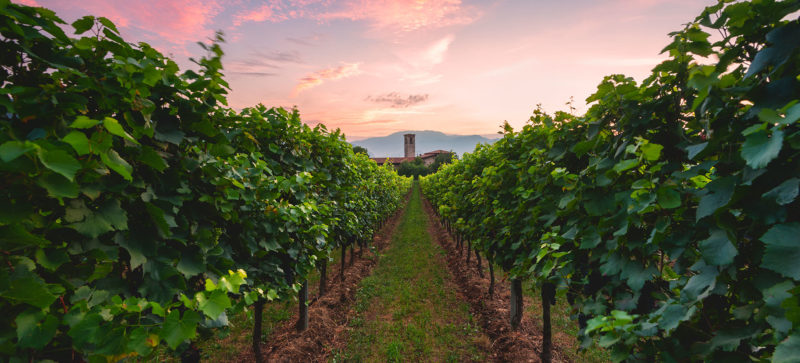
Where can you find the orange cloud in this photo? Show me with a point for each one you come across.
(319, 77)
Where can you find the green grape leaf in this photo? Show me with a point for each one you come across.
(626, 165)
(759, 148)
(11, 150)
(172, 136)
(100, 270)
(83, 122)
(142, 342)
(214, 304)
(693, 150)
(784, 193)
(117, 163)
(51, 259)
(134, 248)
(776, 294)
(151, 158)
(108, 24)
(34, 332)
(93, 225)
(597, 204)
(176, 330)
(699, 285)
(792, 115)
(60, 162)
(159, 218)
(151, 76)
(783, 41)
(788, 351)
(636, 275)
(717, 249)
(87, 330)
(113, 126)
(83, 24)
(78, 141)
(782, 250)
(728, 339)
(191, 264)
(668, 198)
(719, 193)
(26, 287)
(113, 213)
(58, 186)
(16, 236)
(673, 315)
(233, 281)
(651, 152)
(76, 211)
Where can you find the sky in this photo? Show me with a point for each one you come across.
(372, 68)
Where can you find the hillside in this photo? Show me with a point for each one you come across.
(392, 145)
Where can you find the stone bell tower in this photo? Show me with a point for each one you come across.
(409, 145)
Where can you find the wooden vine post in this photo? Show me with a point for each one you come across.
(302, 318)
(548, 299)
(516, 303)
(258, 308)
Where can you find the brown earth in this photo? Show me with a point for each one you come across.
(328, 316)
(507, 345)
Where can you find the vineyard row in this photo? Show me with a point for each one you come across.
(136, 208)
(667, 214)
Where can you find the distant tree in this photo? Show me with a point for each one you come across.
(413, 168)
(360, 149)
(440, 160)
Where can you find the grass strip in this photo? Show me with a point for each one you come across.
(407, 310)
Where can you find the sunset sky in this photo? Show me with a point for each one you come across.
(376, 67)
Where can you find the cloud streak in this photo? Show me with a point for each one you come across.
(329, 74)
(252, 66)
(284, 57)
(395, 100)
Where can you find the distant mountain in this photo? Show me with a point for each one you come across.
(392, 145)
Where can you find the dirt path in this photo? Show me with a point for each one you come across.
(411, 298)
(409, 309)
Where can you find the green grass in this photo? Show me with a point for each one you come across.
(407, 309)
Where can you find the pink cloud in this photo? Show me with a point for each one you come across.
(407, 15)
(28, 2)
(174, 21)
(390, 15)
(319, 77)
(258, 15)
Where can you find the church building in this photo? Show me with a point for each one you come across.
(410, 148)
